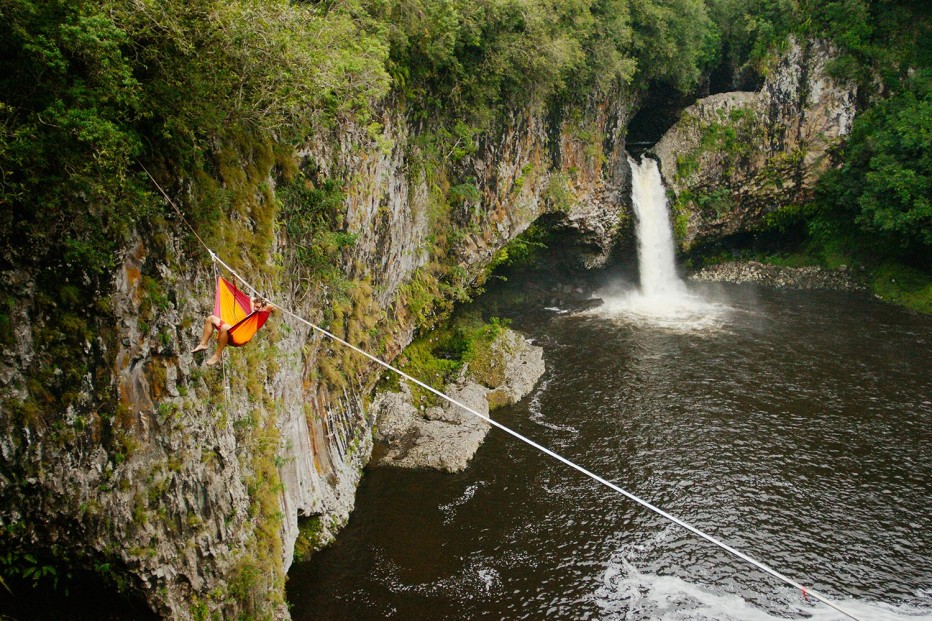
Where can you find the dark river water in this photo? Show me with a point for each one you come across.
(794, 426)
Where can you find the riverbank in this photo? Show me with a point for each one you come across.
(780, 276)
(891, 282)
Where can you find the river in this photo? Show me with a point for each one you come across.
(793, 425)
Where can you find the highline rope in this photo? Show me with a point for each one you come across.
(612, 486)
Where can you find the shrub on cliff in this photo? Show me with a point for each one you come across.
(87, 87)
(883, 187)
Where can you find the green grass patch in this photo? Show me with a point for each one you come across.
(903, 285)
(310, 537)
(437, 356)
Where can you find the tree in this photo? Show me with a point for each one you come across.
(884, 184)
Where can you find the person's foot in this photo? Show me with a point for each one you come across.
(198, 348)
(213, 360)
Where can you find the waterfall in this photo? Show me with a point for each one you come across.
(655, 236)
(663, 300)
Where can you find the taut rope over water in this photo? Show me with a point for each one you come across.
(612, 486)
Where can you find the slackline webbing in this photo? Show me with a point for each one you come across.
(686, 525)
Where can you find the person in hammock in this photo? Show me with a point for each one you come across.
(213, 322)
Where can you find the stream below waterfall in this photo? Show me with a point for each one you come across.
(792, 425)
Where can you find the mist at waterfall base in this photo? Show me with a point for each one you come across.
(662, 299)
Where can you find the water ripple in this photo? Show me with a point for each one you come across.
(796, 430)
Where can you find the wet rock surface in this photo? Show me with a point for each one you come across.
(808, 277)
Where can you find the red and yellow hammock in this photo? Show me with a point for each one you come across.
(235, 309)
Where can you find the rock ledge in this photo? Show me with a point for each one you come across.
(446, 437)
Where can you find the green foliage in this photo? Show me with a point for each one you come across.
(675, 41)
(881, 192)
(472, 59)
(310, 533)
(266, 66)
(312, 215)
(750, 30)
(523, 249)
(437, 356)
(84, 85)
(903, 285)
(432, 292)
(681, 211)
(785, 219)
(717, 201)
(49, 565)
(26, 566)
(68, 95)
(557, 194)
(611, 57)
(731, 135)
(465, 193)
(256, 583)
(875, 39)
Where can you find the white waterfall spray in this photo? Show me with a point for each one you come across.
(655, 236)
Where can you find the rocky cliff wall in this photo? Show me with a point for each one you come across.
(184, 482)
(124, 456)
(733, 158)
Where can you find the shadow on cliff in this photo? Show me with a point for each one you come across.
(87, 599)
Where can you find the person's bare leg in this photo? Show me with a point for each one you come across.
(210, 324)
(222, 338)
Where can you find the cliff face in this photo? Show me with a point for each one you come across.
(735, 157)
(185, 482)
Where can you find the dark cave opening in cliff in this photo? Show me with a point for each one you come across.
(86, 596)
(559, 272)
(659, 110)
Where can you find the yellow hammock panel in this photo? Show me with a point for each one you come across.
(235, 309)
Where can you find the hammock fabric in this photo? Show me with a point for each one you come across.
(234, 309)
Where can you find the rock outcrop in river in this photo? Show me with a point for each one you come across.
(807, 277)
(445, 436)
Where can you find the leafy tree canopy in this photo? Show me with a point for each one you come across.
(88, 87)
(883, 188)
